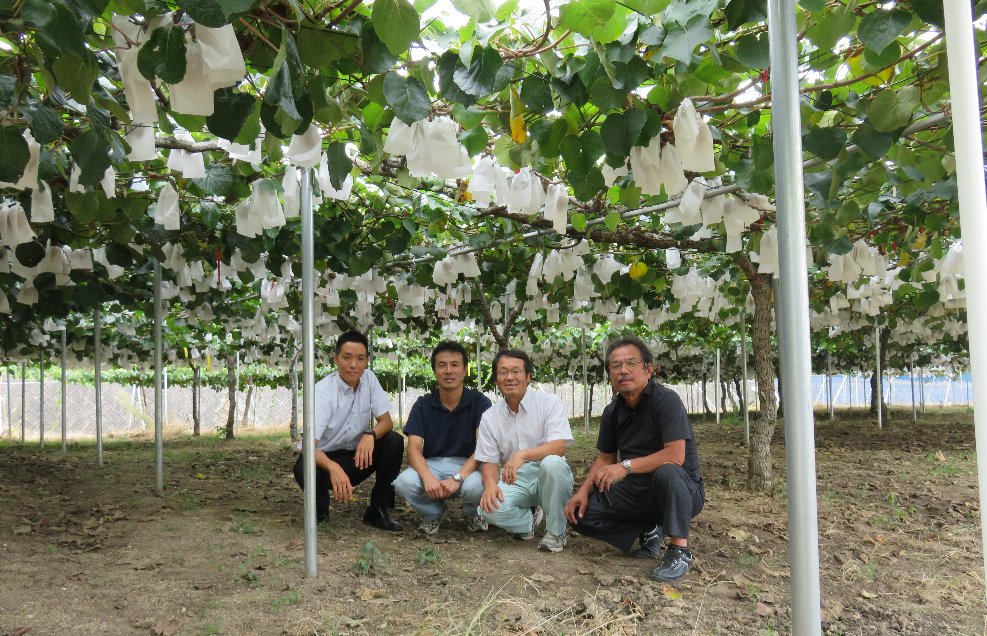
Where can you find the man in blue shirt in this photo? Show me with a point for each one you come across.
(441, 433)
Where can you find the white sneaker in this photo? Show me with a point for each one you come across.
(477, 523)
(552, 542)
(537, 514)
(431, 526)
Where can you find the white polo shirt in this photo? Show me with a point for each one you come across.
(540, 419)
(342, 414)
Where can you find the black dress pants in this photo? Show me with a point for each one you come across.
(666, 497)
(387, 457)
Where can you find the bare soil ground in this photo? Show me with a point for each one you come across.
(88, 551)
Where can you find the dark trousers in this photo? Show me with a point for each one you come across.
(388, 453)
(666, 497)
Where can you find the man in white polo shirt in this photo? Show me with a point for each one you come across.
(348, 446)
(522, 442)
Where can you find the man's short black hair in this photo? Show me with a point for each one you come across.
(352, 336)
(449, 345)
(632, 341)
(513, 353)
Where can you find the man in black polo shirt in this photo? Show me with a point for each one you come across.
(441, 433)
(645, 482)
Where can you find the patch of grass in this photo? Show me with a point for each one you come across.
(254, 473)
(213, 628)
(246, 574)
(428, 555)
(747, 559)
(371, 560)
(243, 525)
(867, 571)
(292, 597)
(183, 500)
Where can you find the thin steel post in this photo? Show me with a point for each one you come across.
(308, 371)
(911, 376)
(743, 357)
(158, 392)
(164, 408)
(479, 363)
(41, 400)
(829, 383)
(878, 375)
(716, 388)
(400, 387)
(64, 408)
(98, 380)
(585, 384)
(793, 321)
(964, 86)
(10, 411)
(23, 400)
(921, 389)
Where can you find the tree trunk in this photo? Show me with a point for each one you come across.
(707, 411)
(196, 402)
(759, 468)
(876, 390)
(231, 387)
(727, 396)
(246, 404)
(592, 384)
(739, 388)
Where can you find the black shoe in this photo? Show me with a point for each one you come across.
(378, 517)
(651, 544)
(674, 566)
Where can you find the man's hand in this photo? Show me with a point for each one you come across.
(342, 489)
(433, 487)
(491, 496)
(364, 456)
(575, 508)
(511, 466)
(449, 487)
(608, 476)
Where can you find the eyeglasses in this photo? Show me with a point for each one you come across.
(510, 373)
(629, 364)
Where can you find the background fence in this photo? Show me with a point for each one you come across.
(128, 409)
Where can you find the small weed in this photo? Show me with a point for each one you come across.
(428, 555)
(289, 599)
(247, 575)
(371, 559)
(184, 501)
(211, 629)
(747, 559)
(258, 553)
(244, 526)
(752, 592)
(867, 571)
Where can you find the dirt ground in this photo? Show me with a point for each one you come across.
(87, 550)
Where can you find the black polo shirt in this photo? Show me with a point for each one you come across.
(658, 419)
(447, 433)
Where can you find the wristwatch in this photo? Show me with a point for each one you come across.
(371, 434)
(457, 477)
(627, 465)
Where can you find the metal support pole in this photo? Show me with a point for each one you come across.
(743, 357)
(400, 387)
(968, 136)
(164, 408)
(64, 408)
(308, 371)
(878, 375)
(10, 422)
(41, 400)
(829, 383)
(793, 321)
(98, 380)
(158, 392)
(921, 389)
(585, 384)
(911, 375)
(23, 400)
(716, 388)
(479, 363)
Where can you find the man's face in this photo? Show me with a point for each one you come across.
(512, 380)
(351, 362)
(628, 374)
(450, 372)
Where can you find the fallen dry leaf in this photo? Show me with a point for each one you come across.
(763, 610)
(670, 592)
(366, 594)
(542, 578)
(738, 534)
(866, 594)
(20, 631)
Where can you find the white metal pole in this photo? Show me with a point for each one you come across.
(716, 388)
(64, 408)
(41, 400)
(829, 383)
(921, 389)
(23, 400)
(911, 375)
(964, 86)
(158, 389)
(479, 363)
(308, 371)
(585, 384)
(10, 411)
(164, 408)
(878, 375)
(98, 380)
(793, 321)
